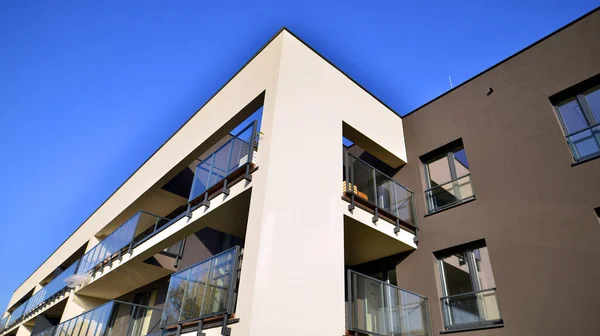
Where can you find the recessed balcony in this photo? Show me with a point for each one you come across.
(378, 308)
(114, 318)
(369, 188)
(203, 293)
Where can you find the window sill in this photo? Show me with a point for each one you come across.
(473, 328)
(465, 201)
(591, 158)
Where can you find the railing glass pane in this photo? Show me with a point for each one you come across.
(585, 143)
(114, 318)
(361, 180)
(17, 313)
(195, 290)
(449, 193)
(380, 308)
(468, 309)
(4, 322)
(46, 332)
(138, 225)
(201, 290)
(224, 161)
(220, 281)
(175, 295)
(370, 184)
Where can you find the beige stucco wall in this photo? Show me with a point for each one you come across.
(293, 268)
(79, 304)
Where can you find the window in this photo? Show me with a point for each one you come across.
(468, 288)
(448, 177)
(578, 109)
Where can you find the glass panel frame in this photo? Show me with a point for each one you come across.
(584, 141)
(471, 306)
(218, 276)
(457, 189)
(369, 184)
(379, 308)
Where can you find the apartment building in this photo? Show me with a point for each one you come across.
(294, 202)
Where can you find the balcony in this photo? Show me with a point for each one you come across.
(450, 193)
(3, 323)
(119, 241)
(227, 165)
(368, 187)
(585, 143)
(378, 308)
(205, 291)
(53, 288)
(471, 310)
(114, 318)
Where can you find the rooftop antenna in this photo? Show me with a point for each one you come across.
(450, 80)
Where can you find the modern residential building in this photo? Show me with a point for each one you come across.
(294, 202)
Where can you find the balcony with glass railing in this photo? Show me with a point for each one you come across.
(120, 241)
(366, 185)
(471, 310)
(380, 309)
(228, 164)
(114, 318)
(202, 291)
(585, 143)
(4, 322)
(47, 293)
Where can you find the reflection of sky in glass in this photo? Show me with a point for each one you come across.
(461, 156)
(572, 115)
(257, 115)
(585, 143)
(592, 97)
(347, 142)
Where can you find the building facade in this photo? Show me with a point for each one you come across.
(475, 214)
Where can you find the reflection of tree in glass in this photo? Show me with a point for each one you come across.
(175, 297)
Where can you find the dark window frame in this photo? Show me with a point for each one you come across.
(577, 92)
(468, 251)
(447, 151)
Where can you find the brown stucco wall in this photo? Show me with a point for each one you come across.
(535, 210)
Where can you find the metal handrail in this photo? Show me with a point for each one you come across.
(387, 284)
(253, 126)
(467, 294)
(379, 171)
(111, 302)
(582, 130)
(81, 270)
(409, 201)
(445, 183)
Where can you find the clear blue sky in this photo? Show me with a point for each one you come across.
(90, 89)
